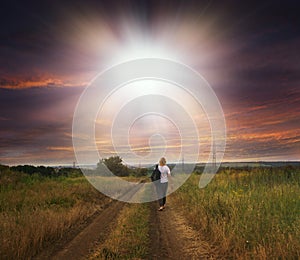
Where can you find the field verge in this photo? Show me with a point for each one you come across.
(35, 211)
(246, 214)
(129, 239)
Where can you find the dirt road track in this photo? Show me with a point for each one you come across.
(172, 238)
(84, 241)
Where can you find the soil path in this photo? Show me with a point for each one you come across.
(96, 232)
(81, 241)
(172, 238)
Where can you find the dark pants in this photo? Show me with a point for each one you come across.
(162, 193)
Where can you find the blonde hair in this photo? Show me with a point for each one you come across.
(162, 161)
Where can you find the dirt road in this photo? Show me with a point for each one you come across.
(172, 238)
(81, 240)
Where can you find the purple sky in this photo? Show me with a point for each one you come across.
(247, 50)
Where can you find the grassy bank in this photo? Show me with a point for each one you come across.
(247, 214)
(35, 210)
(129, 239)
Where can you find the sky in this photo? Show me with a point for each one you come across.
(50, 51)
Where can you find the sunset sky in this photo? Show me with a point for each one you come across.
(248, 51)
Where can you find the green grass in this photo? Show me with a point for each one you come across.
(35, 210)
(245, 214)
(129, 239)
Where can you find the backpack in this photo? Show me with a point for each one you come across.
(155, 174)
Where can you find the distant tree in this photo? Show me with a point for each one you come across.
(3, 168)
(140, 172)
(46, 171)
(69, 172)
(30, 169)
(115, 165)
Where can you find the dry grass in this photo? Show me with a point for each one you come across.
(35, 211)
(246, 215)
(129, 240)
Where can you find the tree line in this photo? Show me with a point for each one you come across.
(42, 170)
(114, 164)
(117, 167)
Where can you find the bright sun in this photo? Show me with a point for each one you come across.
(138, 49)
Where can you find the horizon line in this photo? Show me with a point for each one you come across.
(136, 164)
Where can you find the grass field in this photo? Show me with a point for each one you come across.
(129, 240)
(246, 214)
(37, 210)
(130, 237)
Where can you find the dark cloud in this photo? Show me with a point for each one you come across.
(253, 47)
(35, 119)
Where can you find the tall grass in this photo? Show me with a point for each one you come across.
(247, 214)
(36, 210)
(129, 239)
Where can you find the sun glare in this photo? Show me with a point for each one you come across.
(143, 49)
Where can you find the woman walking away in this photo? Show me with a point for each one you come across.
(163, 185)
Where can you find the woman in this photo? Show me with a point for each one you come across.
(163, 185)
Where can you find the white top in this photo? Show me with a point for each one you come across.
(165, 172)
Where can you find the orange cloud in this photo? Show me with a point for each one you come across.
(264, 137)
(60, 148)
(45, 80)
